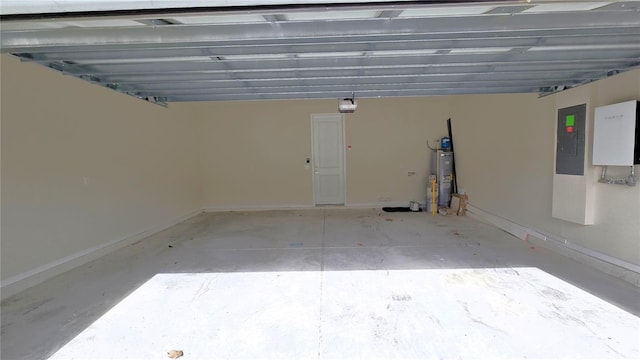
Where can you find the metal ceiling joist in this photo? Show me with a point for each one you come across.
(453, 74)
(398, 49)
(372, 39)
(487, 72)
(343, 94)
(14, 40)
(358, 88)
(338, 83)
(347, 67)
(409, 47)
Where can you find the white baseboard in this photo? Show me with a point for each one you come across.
(223, 208)
(613, 266)
(298, 207)
(378, 204)
(27, 279)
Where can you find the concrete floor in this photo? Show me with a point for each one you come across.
(326, 284)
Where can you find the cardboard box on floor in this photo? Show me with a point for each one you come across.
(458, 204)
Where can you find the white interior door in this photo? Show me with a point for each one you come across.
(328, 159)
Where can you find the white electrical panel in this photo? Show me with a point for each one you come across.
(615, 133)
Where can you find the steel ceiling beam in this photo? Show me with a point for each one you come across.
(342, 82)
(357, 88)
(489, 70)
(511, 71)
(13, 41)
(192, 62)
(539, 58)
(361, 94)
(576, 65)
(97, 57)
(249, 43)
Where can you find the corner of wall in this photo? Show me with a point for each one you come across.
(506, 157)
(85, 171)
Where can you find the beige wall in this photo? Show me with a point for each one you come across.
(389, 139)
(253, 153)
(505, 156)
(504, 153)
(83, 165)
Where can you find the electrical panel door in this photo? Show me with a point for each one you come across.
(571, 140)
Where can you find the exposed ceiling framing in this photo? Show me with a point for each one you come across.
(374, 49)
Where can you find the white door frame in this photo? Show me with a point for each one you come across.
(344, 159)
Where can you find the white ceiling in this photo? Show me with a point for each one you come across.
(329, 51)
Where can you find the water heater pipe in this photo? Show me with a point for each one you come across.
(433, 195)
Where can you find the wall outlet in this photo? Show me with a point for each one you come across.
(411, 173)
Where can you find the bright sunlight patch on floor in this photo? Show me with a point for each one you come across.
(486, 313)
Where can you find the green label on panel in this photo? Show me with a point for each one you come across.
(569, 120)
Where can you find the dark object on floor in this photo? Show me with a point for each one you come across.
(399, 209)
